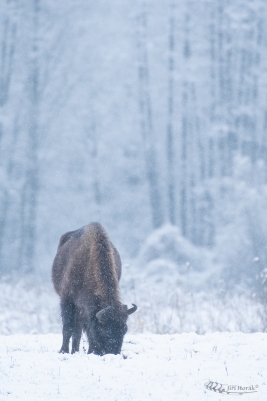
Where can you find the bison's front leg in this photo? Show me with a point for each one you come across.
(68, 314)
(77, 333)
(90, 340)
(94, 345)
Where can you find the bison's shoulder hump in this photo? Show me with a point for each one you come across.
(69, 235)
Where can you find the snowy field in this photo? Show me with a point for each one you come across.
(152, 367)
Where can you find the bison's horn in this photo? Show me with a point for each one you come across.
(132, 310)
(101, 314)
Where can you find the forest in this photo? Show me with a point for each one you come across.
(149, 117)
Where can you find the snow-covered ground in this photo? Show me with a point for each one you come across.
(153, 367)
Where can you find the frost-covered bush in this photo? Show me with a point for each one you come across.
(172, 300)
(241, 239)
(168, 306)
(163, 307)
(28, 306)
(168, 244)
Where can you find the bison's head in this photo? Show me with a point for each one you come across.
(111, 328)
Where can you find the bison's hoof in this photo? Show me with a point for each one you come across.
(63, 351)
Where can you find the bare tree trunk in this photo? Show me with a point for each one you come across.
(7, 50)
(247, 121)
(8, 264)
(91, 143)
(96, 183)
(170, 134)
(184, 152)
(146, 125)
(32, 184)
(186, 131)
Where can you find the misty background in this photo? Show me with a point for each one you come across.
(149, 117)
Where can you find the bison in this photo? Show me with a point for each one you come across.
(85, 274)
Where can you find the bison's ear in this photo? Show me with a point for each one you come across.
(103, 314)
(132, 310)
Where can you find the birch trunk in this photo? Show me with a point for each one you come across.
(147, 125)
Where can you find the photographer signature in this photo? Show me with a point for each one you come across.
(230, 388)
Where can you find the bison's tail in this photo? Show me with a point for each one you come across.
(102, 262)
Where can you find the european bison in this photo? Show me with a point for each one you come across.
(86, 273)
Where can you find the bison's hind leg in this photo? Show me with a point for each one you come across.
(68, 318)
(77, 333)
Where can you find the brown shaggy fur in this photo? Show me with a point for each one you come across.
(85, 261)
